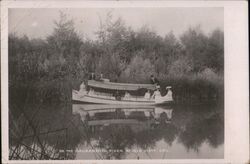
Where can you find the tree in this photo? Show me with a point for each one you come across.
(64, 44)
(114, 37)
(168, 54)
(139, 70)
(215, 51)
(195, 45)
(110, 66)
(172, 47)
(180, 67)
(149, 42)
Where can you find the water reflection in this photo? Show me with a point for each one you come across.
(116, 132)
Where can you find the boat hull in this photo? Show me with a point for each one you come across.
(77, 97)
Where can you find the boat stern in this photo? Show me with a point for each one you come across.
(167, 99)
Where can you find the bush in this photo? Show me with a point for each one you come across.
(138, 71)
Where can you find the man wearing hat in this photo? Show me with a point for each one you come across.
(154, 80)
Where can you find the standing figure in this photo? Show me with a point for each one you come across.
(154, 80)
(92, 76)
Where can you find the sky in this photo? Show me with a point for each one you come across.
(39, 23)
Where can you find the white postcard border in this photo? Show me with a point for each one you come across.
(236, 143)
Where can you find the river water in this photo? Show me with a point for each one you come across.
(76, 131)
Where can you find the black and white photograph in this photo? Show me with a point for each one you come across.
(116, 83)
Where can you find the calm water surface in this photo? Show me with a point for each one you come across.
(74, 131)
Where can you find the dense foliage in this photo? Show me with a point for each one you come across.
(47, 69)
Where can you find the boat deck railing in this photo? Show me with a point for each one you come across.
(110, 96)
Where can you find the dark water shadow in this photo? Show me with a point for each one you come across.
(66, 131)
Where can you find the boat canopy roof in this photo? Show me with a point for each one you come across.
(120, 86)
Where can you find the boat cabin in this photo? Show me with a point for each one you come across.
(106, 92)
(119, 91)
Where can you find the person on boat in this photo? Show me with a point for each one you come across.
(82, 90)
(157, 92)
(92, 76)
(127, 95)
(117, 95)
(154, 80)
(91, 92)
(147, 95)
(87, 117)
(82, 86)
(101, 77)
(169, 92)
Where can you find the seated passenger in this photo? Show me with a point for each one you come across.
(147, 95)
(82, 86)
(169, 92)
(82, 90)
(157, 93)
(127, 95)
(91, 92)
(117, 95)
(101, 77)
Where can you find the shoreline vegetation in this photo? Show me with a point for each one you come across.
(46, 70)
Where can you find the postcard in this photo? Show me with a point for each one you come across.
(124, 81)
